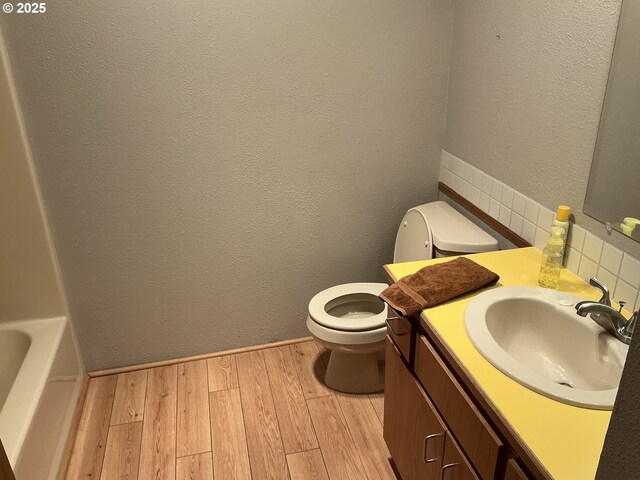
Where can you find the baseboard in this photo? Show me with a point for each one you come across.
(173, 361)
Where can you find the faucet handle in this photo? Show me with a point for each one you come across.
(606, 299)
(630, 326)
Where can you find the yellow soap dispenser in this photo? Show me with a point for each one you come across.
(562, 220)
(552, 259)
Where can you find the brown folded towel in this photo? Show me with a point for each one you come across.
(436, 284)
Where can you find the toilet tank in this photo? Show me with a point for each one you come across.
(437, 230)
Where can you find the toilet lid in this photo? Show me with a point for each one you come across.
(350, 307)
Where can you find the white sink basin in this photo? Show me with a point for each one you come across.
(534, 336)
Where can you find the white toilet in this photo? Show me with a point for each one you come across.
(349, 319)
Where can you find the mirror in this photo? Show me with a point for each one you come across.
(613, 192)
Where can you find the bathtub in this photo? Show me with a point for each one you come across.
(41, 377)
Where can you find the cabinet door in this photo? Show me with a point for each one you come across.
(514, 472)
(413, 430)
(478, 440)
(455, 465)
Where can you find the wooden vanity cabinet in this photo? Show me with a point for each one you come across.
(413, 429)
(432, 428)
(472, 431)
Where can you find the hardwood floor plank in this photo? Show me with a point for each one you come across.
(128, 404)
(88, 450)
(222, 373)
(338, 448)
(377, 400)
(228, 438)
(158, 449)
(366, 431)
(122, 455)
(193, 435)
(310, 369)
(307, 466)
(293, 416)
(194, 467)
(266, 452)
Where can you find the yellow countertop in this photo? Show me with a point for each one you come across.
(567, 440)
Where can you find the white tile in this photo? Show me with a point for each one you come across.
(587, 269)
(507, 196)
(468, 173)
(519, 203)
(441, 174)
(529, 231)
(627, 293)
(484, 202)
(487, 182)
(541, 238)
(515, 224)
(592, 247)
(545, 218)
(444, 159)
(494, 209)
(611, 258)
(475, 196)
(607, 278)
(505, 215)
(496, 189)
(630, 270)
(457, 165)
(447, 178)
(531, 211)
(477, 178)
(466, 189)
(576, 237)
(572, 259)
(457, 184)
(461, 183)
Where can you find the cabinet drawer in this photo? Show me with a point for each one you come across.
(455, 465)
(399, 329)
(475, 435)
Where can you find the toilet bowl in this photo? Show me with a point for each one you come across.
(350, 320)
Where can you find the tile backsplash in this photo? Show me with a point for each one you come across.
(586, 254)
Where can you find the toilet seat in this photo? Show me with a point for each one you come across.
(351, 307)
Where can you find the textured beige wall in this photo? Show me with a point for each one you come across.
(209, 167)
(526, 87)
(29, 285)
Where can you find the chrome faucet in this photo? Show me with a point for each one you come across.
(606, 316)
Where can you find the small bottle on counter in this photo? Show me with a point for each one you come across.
(552, 259)
(562, 220)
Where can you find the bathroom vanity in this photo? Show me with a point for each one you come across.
(450, 414)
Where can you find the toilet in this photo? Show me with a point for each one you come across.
(350, 320)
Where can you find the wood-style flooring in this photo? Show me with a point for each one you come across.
(263, 414)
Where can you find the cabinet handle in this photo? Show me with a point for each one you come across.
(397, 334)
(448, 465)
(426, 444)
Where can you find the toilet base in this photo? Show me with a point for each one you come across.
(355, 372)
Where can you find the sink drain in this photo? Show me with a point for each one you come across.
(565, 384)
